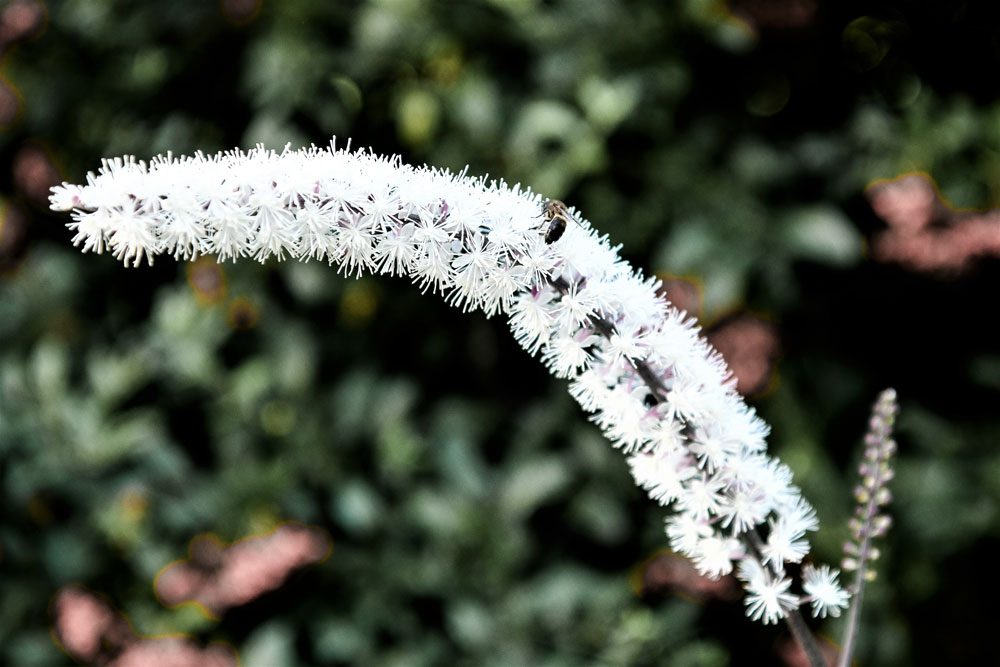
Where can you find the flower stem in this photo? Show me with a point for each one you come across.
(853, 622)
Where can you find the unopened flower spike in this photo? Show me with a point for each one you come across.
(870, 520)
(655, 387)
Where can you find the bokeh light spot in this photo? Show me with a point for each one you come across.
(207, 280)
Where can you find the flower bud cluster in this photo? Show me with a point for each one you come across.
(656, 388)
(872, 492)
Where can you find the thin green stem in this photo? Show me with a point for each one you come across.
(854, 615)
(853, 624)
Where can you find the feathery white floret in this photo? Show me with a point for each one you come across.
(823, 590)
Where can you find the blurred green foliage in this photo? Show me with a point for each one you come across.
(477, 518)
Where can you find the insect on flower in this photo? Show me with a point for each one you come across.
(556, 214)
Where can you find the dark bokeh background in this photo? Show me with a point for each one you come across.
(747, 153)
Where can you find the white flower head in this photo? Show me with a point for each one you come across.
(702, 496)
(686, 532)
(767, 599)
(714, 555)
(823, 591)
(785, 543)
(662, 473)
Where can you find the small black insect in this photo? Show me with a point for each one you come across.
(557, 215)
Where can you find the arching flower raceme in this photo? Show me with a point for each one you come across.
(656, 388)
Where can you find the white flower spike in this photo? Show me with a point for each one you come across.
(659, 392)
